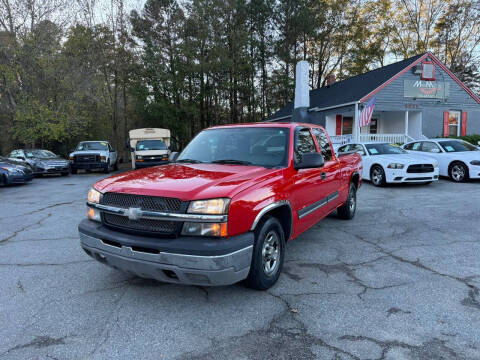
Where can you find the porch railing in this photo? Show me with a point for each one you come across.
(338, 140)
(388, 138)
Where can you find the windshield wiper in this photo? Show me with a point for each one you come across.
(189, 161)
(231, 161)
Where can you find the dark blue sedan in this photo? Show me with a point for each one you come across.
(13, 173)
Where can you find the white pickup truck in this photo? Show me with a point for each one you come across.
(148, 147)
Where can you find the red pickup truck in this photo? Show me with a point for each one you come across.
(224, 209)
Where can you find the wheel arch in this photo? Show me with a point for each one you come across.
(282, 210)
(355, 179)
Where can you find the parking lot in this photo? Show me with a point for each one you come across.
(400, 281)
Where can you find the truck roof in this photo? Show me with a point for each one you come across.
(290, 125)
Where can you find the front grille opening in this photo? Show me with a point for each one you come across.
(171, 274)
(420, 168)
(112, 243)
(145, 250)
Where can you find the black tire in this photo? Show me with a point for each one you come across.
(268, 235)
(115, 166)
(66, 173)
(377, 176)
(458, 172)
(347, 211)
(107, 169)
(74, 171)
(3, 181)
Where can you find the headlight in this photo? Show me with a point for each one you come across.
(212, 206)
(9, 169)
(93, 214)
(205, 229)
(475, 162)
(103, 158)
(395, 166)
(94, 196)
(139, 157)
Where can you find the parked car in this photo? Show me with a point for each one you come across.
(457, 159)
(94, 155)
(42, 161)
(384, 163)
(13, 173)
(224, 210)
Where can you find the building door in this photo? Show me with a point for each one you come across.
(347, 125)
(374, 126)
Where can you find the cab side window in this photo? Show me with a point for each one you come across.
(430, 147)
(303, 143)
(323, 143)
(343, 149)
(358, 149)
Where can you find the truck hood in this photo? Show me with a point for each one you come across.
(187, 181)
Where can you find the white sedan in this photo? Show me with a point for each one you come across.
(384, 163)
(456, 158)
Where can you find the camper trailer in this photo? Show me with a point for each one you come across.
(149, 147)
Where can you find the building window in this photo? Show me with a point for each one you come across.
(347, 125)
(373, 126)
(454, 123)
(428, 71)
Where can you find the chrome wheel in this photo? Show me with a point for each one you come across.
(458, 172)
(377, 176)
(270, 253)
(352, 202)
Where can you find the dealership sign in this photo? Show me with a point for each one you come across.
(425, 89)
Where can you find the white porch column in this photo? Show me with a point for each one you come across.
(356, 128)
(406, 123)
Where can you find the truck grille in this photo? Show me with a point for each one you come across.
(420, 168)
(148, 203)
(87, 158)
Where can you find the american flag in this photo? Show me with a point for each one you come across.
(366, 114)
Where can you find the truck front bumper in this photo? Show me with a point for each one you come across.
(89, 166)
(185, 260)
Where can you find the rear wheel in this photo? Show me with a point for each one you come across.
(377, 176)
(458, 172)
(347, 211)
(268, 255)
(3, 180)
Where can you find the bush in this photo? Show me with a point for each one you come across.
(472, 139)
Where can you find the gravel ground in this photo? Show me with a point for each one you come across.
(400, 281)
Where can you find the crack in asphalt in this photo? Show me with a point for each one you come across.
(471, 300)
(44, 208)
(432, 349)
(394, 310)
(26, 227)
(46, 264)
(38, 342)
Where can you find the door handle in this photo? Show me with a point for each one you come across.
(323, 175)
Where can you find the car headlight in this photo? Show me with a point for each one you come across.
(139, 157)
(475, 162)
(103, 158)
(94, 196)
(211, 207)
(205, 229)
(9, 169)
(395, 166)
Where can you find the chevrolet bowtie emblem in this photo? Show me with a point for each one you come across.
(133, 213)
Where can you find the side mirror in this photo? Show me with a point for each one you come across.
(310, 160)
(173, 156)
(478, 142)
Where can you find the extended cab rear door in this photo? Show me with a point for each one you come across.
(331, 169)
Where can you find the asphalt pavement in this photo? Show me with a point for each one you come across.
(399, 281)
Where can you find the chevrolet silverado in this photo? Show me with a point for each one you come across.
(224, 209)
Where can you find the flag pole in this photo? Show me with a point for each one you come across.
(356, 128)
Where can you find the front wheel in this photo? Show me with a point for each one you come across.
(347, 211)
(458, 172)
(377, 176)
(268, 255)
(3, 180)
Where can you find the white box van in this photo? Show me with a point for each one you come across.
(149, 147)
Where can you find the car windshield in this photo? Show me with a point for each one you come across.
(100, 145)
(383, 149)
(457, 146)
(150, 145)
(43, 154)
(259, 146)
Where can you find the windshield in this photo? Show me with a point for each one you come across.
(258, 146)
(44, 154)
(457, 146)
(151, 145)
(101, 145)
(383, 149)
